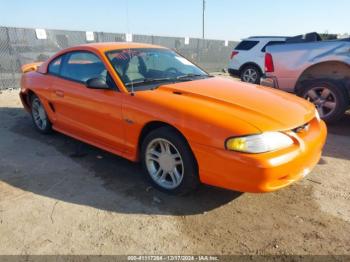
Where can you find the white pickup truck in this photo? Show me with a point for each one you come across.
(318, 71)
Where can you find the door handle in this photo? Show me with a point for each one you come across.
(59, 93)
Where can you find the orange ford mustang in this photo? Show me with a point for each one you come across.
(149, 104)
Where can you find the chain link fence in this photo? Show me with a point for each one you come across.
(19, 46)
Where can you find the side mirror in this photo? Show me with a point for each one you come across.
(97, 83)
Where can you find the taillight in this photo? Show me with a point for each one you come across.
(269, 63)
(233, 54)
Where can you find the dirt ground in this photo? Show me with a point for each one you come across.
(54, 203)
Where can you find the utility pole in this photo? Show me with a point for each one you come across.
(203, 22)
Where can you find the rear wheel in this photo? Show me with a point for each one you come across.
(251, 74)
(329, 97)
(40, 120)
(168, 162)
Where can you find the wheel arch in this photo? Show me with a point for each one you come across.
(334, 70)
(26, 99)
(153, 125)
(250, 64)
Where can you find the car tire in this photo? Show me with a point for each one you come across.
(329, 97)
(39, 116)
(168, 162)
(251, 74)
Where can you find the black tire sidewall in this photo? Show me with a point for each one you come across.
(339, 91)
(190, 179)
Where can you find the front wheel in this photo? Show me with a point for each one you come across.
(168, 162)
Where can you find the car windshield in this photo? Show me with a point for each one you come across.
(142, 69)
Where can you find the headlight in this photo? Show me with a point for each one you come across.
(261, 143)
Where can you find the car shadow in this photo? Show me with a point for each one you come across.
(341, 127)
(338, 140)
(122, 186)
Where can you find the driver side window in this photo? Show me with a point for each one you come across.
(81, 66)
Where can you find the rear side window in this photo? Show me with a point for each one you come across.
(246, 45)
(54, 66)
(272, 43)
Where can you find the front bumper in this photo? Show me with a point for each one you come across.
(269, 82)
(262, 172)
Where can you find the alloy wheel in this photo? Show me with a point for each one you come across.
(39, 115)
(324, 100)
(164, 163)
(250, 75)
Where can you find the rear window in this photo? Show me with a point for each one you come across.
(246, 45)
(272, 43)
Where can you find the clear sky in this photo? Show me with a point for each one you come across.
(225, 19)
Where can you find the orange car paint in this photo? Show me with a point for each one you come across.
(206, 112)
(30, 67)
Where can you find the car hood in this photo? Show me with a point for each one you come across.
(265, 108)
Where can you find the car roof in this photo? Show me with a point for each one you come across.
(100, 47)
(265, 38)
(109, 46)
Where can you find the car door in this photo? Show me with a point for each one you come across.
(93, 115)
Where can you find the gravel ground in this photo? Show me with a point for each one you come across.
(54, 203)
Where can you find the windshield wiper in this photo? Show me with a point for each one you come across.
(190, 76)
(151, 81)
(165, 79)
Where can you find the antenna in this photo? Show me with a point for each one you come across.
(132, 83)
(203, 19)
(129, 50)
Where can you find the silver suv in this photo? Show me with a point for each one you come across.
(247, 58)
(318, 70)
